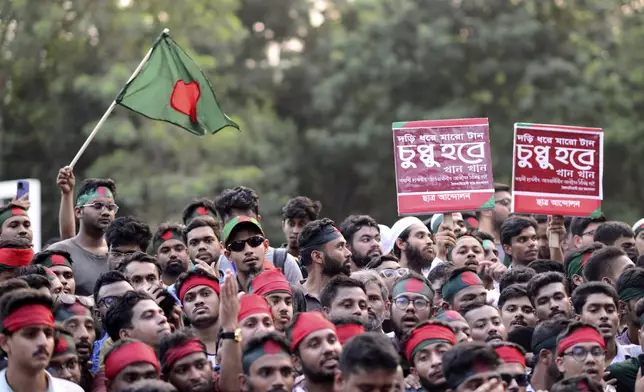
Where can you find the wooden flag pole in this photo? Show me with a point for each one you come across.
(113, 105)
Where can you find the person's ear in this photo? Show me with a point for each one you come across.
(227, 253)
(413, 371)
(560, 365)
(578, 280)
(338, 380)
(4, 343)
(400, 243)
(326, 311)
(297, 364)
(608, 281)
(317, 257)
(78, 212)
(266, 244)
(445, 306)
(242, 382)
(124, 333)
(622, 307)
(259, 218)
(507, 249)
(576, 240)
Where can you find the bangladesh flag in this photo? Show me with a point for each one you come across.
(172, 88)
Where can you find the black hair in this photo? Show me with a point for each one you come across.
(14, 244)
(330, 291)
(573, 254)
(36, 281)
(353, 223)
(544, 331)
(474, 306)
(128, 230)
(600, 263)
(639, 310)
(517, 275)
(299, 300)
(574, 384)
(483, 235)
(150, 386)
(500, 187)
(512, 292)
(258, 342)
(580, 295)
(544, 265)
(609, 232)
(521, 336)
(119, 316)
(40, 257)
(11, 285)
(31, 269)
(238, 198)
(140, 257)
(347, 321)
(377, 262)
(579, 224)
(202, 221)
(16, 299)
(540, 218)
(640, 261)
(539, 281)
(630, 278)
(108, 278)
(514, 225)
(404, 236)
(181, 280)
(368, 351)
(301, 207)
(462, 358)
(90, 184)
(440, 273)
(310, 231)
(193, 205)
(176, 339)
(572, 327)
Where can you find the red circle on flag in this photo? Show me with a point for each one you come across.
(101, 190)
(17, 211)
(271, 347)
(413, 286)
(62, 345)
(202, 211)
(167, 235)
(473, 222)
(58, 260)
(470, 278)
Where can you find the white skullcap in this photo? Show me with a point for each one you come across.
(396, 230)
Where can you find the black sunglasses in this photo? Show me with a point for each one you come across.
(239, 245)
(521, 379)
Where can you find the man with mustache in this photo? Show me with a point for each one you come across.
(273, 286)
(142, 270)
(27, 337)
(203, 245)
(344, 297)
(519, 240)
(513, 367)
(124, 236)
(363, 239)
(64, 360)
(424, 349)
(485, 323)
(377, 298)
(74, 316)
(15, 223)
(549, 295)
(324, 253)
(169, 247)
(295, 215)
(544, 347)
(606, 265)
(184, 363)
(619, 235)
(245, 246)
(267, 365)
(516, 308)
(129, 361)
(60, 262)
(414, 245)
(316, 351)
(581, 350)
(463, 287)
(596, 304)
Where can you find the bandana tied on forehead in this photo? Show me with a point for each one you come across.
(56, 260)
(425, 335)
(547, 344)
(268, 348)
(305, 324)
(270, 282)
(101, 191)
(197, 280)
(576, 265)
(11, 212)
(15, 258)
(65, 311)
(201, 211)
(326, 235)
(449, 315)
(28, 316)
(630, 293)
(509, 354)
(638, 226)
(170, 234)
(347, 331)
(412, 285)
(454, 379)
(64, 345)
(129, 354)
(460, 282)
(174, 354)
(251, 304)
(581, 335)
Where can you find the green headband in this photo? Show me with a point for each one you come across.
(630, 293)
(548, 344)
(101, 191)
(64, 345)
(457, 283)
(487, 244)
(412, 285)
(56, 260)
(170, 234)
(200, 211)
(11, 212)
(64, 311)
(576, 265)
(268, 348)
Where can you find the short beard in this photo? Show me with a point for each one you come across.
(331, 267)
(205, 322)
(432, 386)
(360, 261)
(416, 259)
(174, 269)
(317, 377)
(375, 325)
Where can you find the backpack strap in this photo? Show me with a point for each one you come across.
(279, 258)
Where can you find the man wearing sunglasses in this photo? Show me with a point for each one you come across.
(245, 246)
(95, 209)
(581, 350)
(513, 367)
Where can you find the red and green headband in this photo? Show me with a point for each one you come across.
(509, 354)
(174, 354)
(412, 285)
(56, 261)
(460, 282)
(65, 311)
(15, 258)
(64, 345)
(581, 335)
(425, 335)
(197, 280)
(576, 265)
(170, 234)
(129, 354)
(101, 191)
(11, 212)
(268, 348)
(200, 211)
(28, 316)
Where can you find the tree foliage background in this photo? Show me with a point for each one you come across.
(315, 86)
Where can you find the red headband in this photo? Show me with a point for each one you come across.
(510, 354)
(251, 304)
(176, 353)
(307, 323)
(347, 331)
(582, 335)
(428, 332)
(128, 354)
(14, 258)
(197, 280)
(269, 282)
(28, 316)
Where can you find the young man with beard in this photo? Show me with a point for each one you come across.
(414, 245)
(199, 208)
(513, 367)
(242, 201)
(245, 246)
(472, 367)
(95, 210)
(606, 265)
(126, 235)
(169, 247)
(544, 347)
(295, 215)
(619, 235)
(581, 350)
(519, 240)
(273, 286)
(458, 324)
(596, 304)
(59, 262)
(204, 247)
(363, 239)
(64, 360)
(549, 295)
(424, 349)
(27, 337)
(142, 270)
(368, 363)
(575, 262)
(377, 298)
(129, 361)
(324, 253)
(267, 365)
(630, 288)
(485, 323)
(516, 308)
(463, 287)
(344, 297)
(15, 223)
(316, 350)
(254, 318)
(72, 314)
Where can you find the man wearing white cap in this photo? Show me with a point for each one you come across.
(414, 245)
(638, 229)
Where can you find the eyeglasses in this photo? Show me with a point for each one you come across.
(521, 379)
(98, 206)
(580, 353)
(239, 245)
(69, 299)
(390, 272)
(403, 302)
(109, 300)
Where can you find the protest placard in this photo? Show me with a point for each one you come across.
(443, 166)
(557, 170)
